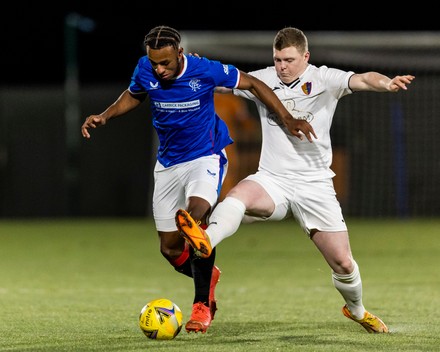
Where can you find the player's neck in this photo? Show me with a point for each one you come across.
(181, 65)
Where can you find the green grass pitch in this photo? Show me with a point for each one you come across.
(79, 285)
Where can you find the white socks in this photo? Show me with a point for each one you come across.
(225, 220)
(350, 287)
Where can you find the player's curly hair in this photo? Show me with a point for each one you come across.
(291, 36)
(162, 36)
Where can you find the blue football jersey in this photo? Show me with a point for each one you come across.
(183, 108)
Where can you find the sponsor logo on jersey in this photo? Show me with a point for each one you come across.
(177, 105)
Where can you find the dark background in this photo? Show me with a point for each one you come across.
(48, 170)
(33, 31)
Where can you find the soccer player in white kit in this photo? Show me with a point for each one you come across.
(191, 160)
(294, 177)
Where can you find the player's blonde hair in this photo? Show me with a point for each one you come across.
(291, 36)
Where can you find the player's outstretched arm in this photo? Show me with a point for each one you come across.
(125, 103)
(377, 82)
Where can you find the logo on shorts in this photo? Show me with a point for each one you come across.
(211, 173)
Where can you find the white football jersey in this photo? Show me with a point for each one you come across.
(312, 97)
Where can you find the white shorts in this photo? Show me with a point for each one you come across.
(313, 204)
(173, 186)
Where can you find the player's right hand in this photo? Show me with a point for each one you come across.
(92, 121)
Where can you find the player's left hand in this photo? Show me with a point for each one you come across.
(300, 128)
(400, 82)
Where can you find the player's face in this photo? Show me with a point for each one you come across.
(166, 62)
(289, 63)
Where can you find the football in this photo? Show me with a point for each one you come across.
(161, 319)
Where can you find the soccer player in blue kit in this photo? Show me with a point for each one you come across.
(191, 159)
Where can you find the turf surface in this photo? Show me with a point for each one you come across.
(79, 285)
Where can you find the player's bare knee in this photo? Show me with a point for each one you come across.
(343, 266)
(171, 249)
(171, 254)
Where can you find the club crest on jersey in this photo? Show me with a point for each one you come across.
(195, 84)
(307, 88)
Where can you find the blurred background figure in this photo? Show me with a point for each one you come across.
(244, 128)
